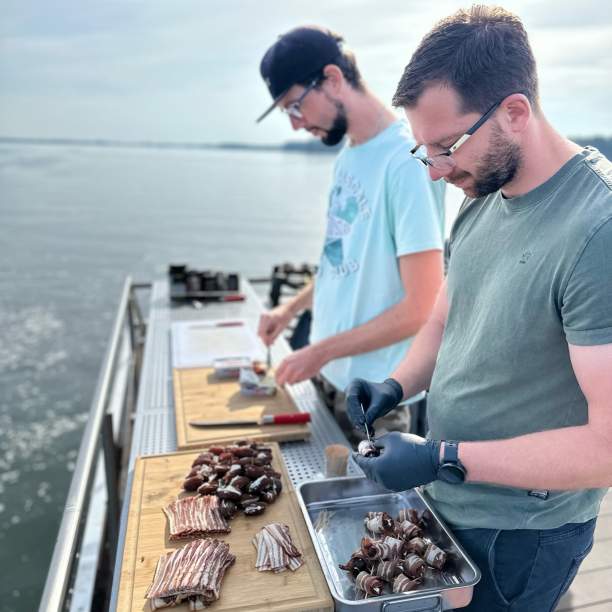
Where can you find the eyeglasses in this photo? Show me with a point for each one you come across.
(443, 162)
(293, 109)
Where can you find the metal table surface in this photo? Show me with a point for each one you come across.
(154, 425)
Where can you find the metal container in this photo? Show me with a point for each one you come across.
(334, 510)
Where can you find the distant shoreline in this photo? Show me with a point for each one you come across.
(314, 146)
(603, 143)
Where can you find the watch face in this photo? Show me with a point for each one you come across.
(451, 473)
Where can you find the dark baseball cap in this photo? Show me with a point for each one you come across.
(295, 57)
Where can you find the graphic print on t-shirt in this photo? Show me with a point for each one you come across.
(347, 204)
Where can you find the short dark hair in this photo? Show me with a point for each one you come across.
(482, 52)
(346, 62)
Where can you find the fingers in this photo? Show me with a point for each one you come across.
(370, 417)
(281, 373)
(367, 465)
(263, 329)
(362, 462)
(269, 328)
(375, 411)
(354, 403)
(273, 332)
(291, 371)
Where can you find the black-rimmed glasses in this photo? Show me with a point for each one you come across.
(443, 162)
(294, 109)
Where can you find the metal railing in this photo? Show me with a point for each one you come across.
(129, 326)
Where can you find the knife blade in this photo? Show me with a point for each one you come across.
(365, 422)
(293, 418)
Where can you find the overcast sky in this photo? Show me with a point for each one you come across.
(187, 70)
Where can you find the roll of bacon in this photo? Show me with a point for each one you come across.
(370, 585)
(434, 556)
(407, 530)
(416, 545)
(372, 549)
(379, 523)
(414, 566)
(403, 584)
(393, 548)
(356, 564)
(409, 514)
(388, 570)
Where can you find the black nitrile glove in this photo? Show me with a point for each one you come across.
(377, 400)
(405, 461)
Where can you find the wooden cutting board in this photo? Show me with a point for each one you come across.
(198, 395)
(157, 481)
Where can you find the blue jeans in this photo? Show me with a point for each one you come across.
(525, 570)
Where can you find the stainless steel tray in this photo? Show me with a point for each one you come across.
(337, 534)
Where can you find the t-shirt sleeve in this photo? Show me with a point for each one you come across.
(415, 209)
(587, 300)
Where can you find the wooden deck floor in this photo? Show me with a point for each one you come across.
(591, 590)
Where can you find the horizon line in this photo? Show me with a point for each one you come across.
(288, 145)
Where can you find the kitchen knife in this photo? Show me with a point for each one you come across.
(294, 418)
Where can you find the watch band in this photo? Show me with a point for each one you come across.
(451, 470)
(451, 452)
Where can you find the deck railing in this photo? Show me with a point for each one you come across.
(128, 328)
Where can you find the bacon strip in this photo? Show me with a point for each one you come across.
(275, 549)
(195, 516)
(193, 573)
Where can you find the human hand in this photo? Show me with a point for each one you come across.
(272, 323)
(300, 365)
(406, 461)
(377, 400)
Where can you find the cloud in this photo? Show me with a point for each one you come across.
(150, 69)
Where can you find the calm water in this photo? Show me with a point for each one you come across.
(74, 222)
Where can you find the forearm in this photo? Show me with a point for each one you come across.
(393, 325)
(301, 301)
(559, 459)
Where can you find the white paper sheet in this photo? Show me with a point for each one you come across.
(195, 344)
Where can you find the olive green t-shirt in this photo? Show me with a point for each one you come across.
(527, 276)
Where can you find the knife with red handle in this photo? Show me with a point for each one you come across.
(292, 418)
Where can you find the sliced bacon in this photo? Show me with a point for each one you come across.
(195, 516)
(193, 573)
(275, 549)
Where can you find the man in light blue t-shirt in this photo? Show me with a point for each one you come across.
(381, 264)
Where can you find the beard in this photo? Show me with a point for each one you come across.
(338, 128)
(498, 166)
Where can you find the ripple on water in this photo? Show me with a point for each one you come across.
(24, 331)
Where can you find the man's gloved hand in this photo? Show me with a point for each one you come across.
(377, 400)
(406, 461)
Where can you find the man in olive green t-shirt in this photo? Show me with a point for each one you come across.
(517, 354)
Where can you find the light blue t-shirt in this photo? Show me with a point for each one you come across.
(382, 205)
